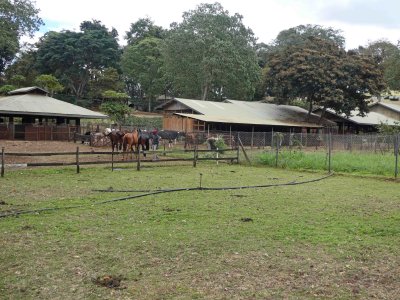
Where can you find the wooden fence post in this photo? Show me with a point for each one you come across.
(396, 149)
(329, 151)
(112, 159)
(237, 151)
(277, 151)
(138, 159)
(195, 156)
(77, 160)
(2, 162)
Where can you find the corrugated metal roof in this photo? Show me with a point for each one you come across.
(371, 118)
(26, 90)
(246, 112)
(391, 105)
(41, 105)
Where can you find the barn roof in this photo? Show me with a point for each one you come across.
(392, 105)
(247, 112)
(33, 102)
(371, 118)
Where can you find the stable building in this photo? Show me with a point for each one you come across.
(354, 124)
(233, 115)
(29, 114)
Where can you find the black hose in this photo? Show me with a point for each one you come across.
(160, 191)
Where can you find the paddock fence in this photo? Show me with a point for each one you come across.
(12, 160)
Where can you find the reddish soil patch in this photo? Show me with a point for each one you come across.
(49, 146)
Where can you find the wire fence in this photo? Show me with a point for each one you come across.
(366, 153)
(356, 154)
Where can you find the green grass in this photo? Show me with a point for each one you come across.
(336, 238)
(346, 162)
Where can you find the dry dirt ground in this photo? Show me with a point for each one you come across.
(11, 146)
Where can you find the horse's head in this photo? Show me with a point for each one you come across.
(107, 131)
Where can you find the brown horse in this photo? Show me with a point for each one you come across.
(130, 140)
(116, 138)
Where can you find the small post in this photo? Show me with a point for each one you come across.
(329, 151)
(237, 152)
(201, 175)
(252, 137)
(138, 160)
(195, 156)
(164, 154)
(277, 151)
(272, 137)
(77, 161)
(217, 155)
(2, 162)
(396, 149)
(112, 159)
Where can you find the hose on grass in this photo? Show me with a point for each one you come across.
(155, 192)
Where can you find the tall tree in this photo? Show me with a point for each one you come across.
(387, 55)
(143, 28)
(17, 18)
(300, 34)
(143, 63)
(322, 73)
(23, 64)
(108, 79)
(211, 55)
(75, 56)
(49, 83)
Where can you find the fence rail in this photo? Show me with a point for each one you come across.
(185, 155)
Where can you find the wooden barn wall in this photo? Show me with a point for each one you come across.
(177, 123)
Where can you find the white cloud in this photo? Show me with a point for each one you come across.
(361, 22)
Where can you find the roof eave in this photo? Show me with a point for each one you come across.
(52, 115)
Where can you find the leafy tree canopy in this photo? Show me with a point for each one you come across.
(388, 56)
(74, 56)
(23, 65)
(210, 55)
(324, 74)
(143, 63)
(117, 111)
(300, 34)
(141, 29)
(49, 83)
(105, 80)
(7, 88)
(17, 18)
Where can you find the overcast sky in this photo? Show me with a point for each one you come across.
(361, 21)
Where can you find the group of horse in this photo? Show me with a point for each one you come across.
(129, 141)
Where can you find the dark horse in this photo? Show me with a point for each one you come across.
(116, 138)
(144, 140)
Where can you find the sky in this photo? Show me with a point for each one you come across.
(361, 21)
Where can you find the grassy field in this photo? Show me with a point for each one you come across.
(362, 163)
(334, 238)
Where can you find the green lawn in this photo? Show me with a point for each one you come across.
(363, 163)
(334, 238)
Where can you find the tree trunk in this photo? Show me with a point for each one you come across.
(205, 91)
(149, 104)
(310, 107)
(322, 115)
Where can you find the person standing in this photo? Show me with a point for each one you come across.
(155, 143)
